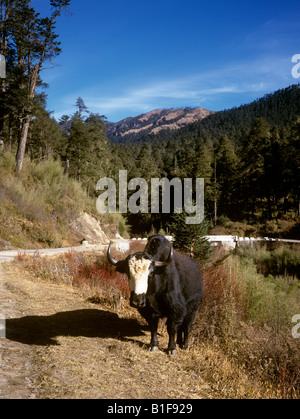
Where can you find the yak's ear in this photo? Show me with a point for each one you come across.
(122, 267)
(159, 264)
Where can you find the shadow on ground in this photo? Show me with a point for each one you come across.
(42, 330)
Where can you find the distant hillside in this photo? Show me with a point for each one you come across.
(153, 122)
(280, 109)
(249, 157)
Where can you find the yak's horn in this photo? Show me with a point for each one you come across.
(160, 264)
(110, 258)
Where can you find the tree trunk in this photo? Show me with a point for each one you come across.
(79, 168)
(2, 111)
(25, 125)
(269, 207)
(215, 200)
(10, 133)
(22, 144)
(67, 167)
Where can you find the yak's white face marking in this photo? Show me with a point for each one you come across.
(138, 275)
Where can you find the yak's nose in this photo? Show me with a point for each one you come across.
(137, 300)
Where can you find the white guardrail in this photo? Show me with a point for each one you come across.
(228, 242)
(234, 241)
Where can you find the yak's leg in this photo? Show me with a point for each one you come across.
(153, 325)
(186, 327)
(186, 338)
(172, 329)
(152, 321)
(179, 336)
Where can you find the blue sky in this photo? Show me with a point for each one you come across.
(127, 57)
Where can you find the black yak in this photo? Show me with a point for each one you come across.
(163, 283)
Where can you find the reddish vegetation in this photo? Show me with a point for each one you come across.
(96, 274)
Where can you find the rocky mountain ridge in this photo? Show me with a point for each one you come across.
(154, 122)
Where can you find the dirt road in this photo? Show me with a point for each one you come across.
(9, 255)
(58, 345)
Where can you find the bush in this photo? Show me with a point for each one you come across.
(281, 261)
(250, 316)
(92, 275)
(7, 163)
(49, 173)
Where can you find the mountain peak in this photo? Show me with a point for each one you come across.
(153, 122)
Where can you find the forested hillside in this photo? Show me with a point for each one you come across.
(249, 156)
(279, 108)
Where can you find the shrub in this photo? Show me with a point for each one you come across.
(48, 172)
(7, 163)
(88, 273)
(280, 261)
(250, 317)
(98, 275)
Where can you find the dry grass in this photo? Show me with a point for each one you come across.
(42, 207)
(249, 317)
(241, 346)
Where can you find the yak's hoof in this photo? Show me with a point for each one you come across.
(153, 349)
(171, 352)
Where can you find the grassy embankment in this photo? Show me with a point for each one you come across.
(37, 207)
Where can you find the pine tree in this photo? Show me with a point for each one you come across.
(78, 146)
(204, 168)
(189, 238)
(88, 150)
(254, 158)
(99, 163)
(291, 172)
(81, 106)
(226, 176)
(146, 165)
(45, 138)
(28, 41)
